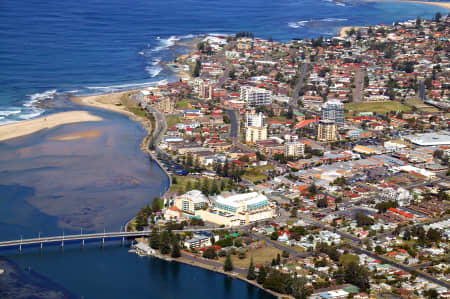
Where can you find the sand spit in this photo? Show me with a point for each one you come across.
(28, 127)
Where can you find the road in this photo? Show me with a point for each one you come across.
(212, 263)
(402, 267)
(359, 85)
(222, 60)
(160, 127)
(235, 125)
(300, 82)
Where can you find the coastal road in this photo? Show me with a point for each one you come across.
(160, 127)
(211, 263)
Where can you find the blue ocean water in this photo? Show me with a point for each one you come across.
(49, 47)
(82, 47)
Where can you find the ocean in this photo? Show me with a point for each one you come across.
(50, 49)
(87, 47)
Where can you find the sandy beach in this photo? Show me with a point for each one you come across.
(343, 31)
(440, 4)
(445, 5)
(109, 101)
(28, 127)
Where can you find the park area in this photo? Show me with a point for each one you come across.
(376, 107)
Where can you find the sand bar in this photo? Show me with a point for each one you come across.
(28, 127)
(80, 135)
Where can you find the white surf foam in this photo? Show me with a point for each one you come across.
(8, 112)
(303, 23)
(166, 43)
(36, 97)
(153, 71)
(32, 114)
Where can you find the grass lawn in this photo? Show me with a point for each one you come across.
(172, 120)
(296, 248)
(260, 256)
(377, 107)
(183, 104)
(419, 104)
(133, 107)
(255, 174)
(279, 118)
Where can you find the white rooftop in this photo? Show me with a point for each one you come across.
(238, 199)
(438, 138)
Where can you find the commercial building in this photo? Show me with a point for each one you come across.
(429, 139)
(327, 131)
(253, 134)
(191, 201)
(238, 209)
(294, 149)
(333, 110)
(255, 96)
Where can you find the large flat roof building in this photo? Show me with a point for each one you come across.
(429, 139)
(238, 209)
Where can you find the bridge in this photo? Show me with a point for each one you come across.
(101, 237)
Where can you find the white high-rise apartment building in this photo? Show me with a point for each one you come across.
(333, 110)
(255, 96)
(255, 119)
(294, 149)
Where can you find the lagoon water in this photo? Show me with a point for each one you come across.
(48, 186)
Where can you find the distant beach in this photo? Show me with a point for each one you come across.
(28, 127)
(445, 5)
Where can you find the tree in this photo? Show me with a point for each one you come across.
(251, 275)
(431, 294)
(437, 17)
(357, 275)
(197, 68)
(156, 204)
(188, 186)
(262, 274)
(154, 238)
(363, 220)
(299, 289)
(278, 281)
(322, 202)
(210, 253)
(312, 189)
(205, 187)
(274, 235)
(228, 265)
(175, 251)
(214, 188)
(164, 242)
